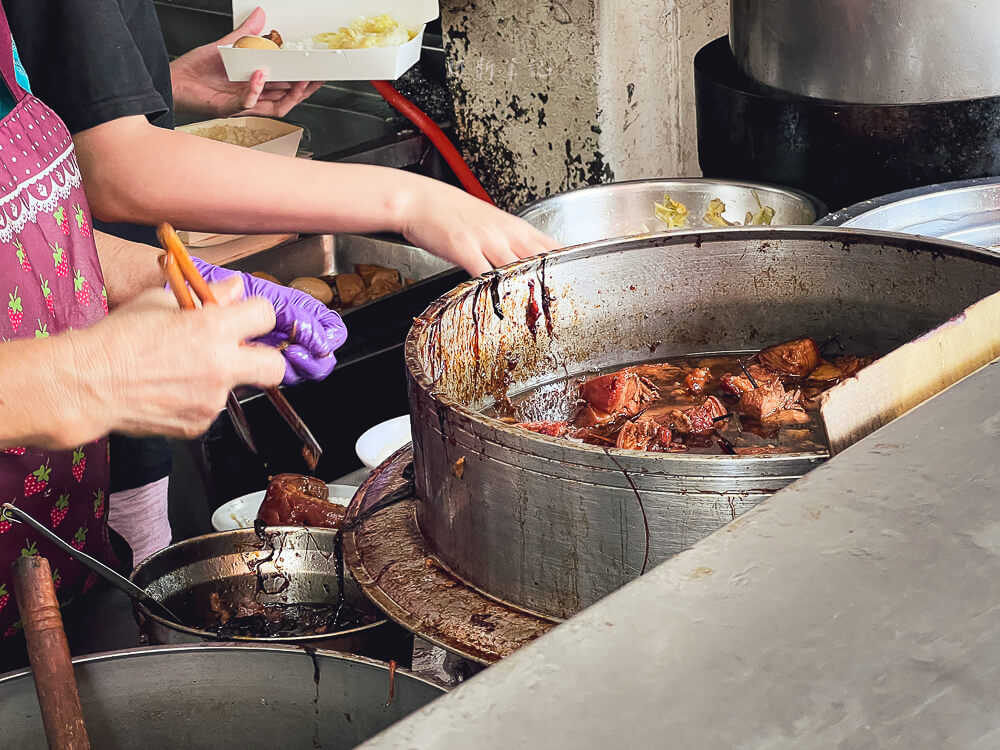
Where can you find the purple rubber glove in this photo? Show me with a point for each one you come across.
(312, 330)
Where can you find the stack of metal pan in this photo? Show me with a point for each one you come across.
(965, 211)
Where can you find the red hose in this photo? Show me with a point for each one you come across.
(429, 128)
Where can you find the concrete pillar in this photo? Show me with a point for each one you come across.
(553, 95)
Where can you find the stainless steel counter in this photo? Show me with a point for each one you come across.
(855, 609)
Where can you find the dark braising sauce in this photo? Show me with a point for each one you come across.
(252, 619)
(699, 405)
(293, 621)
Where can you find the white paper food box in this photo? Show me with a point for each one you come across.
(298, 20)
(284, 141)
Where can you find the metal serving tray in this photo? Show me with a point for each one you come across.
(378, 323)
(963, 211)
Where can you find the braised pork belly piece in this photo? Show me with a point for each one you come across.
(296, 500)
(608, 397)
(750, 404)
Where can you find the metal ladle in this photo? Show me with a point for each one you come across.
(137, 594)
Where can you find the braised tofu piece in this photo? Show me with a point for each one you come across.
(791, 415)
(849, 365)
(350, 286)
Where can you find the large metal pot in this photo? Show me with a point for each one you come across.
(890, 52)
(294, 565)
(221, 696)
(553, 526)
(841, 153)
(625, 209)
(964, 211)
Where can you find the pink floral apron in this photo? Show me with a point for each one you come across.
(50, 282)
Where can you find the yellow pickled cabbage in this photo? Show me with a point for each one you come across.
(670, 212)
(714, 214)
(763, 216)
(366, 32)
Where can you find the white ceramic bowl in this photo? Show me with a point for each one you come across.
(241, 512)
(382, 440)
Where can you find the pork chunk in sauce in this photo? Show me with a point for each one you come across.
(765, 404)
(609, 397)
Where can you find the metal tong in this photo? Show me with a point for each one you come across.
(181, 272)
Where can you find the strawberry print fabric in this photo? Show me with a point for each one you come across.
(50, 282)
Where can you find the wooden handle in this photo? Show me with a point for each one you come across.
(911, 374)
(48, 652)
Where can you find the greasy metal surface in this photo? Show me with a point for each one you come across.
(963, 211)
(854, 610)
(211, 697)
(326, 254)
(553, 526)
(393, 566)
(186, 574)
(625, 209)
(891, 52)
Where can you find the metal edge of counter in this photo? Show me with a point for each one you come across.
(852, 609)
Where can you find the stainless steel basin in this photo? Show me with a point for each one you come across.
(221, 696)
(625, 209)
(964, 211)
(323, 255)
(293, 565)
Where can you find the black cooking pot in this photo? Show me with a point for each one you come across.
(841, 153)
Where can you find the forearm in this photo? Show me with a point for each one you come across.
(55, 393)
(248, 191)
(129, 268)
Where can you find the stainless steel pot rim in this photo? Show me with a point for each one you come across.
(818, 206)
(140, 651)
(837, 219)
(285, 641)
(688, 240)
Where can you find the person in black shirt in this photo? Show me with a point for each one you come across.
(103, 67)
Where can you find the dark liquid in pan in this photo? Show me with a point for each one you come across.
(291, 621)
(558, 401)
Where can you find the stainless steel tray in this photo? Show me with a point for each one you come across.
(382, 322)
(328, 254)
(625, 209)
(964, 211)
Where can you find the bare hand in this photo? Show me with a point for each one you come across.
(467, 231)
(200, 84)
(168, 371)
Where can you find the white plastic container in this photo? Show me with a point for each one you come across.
(298, 20)
(382, 440)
